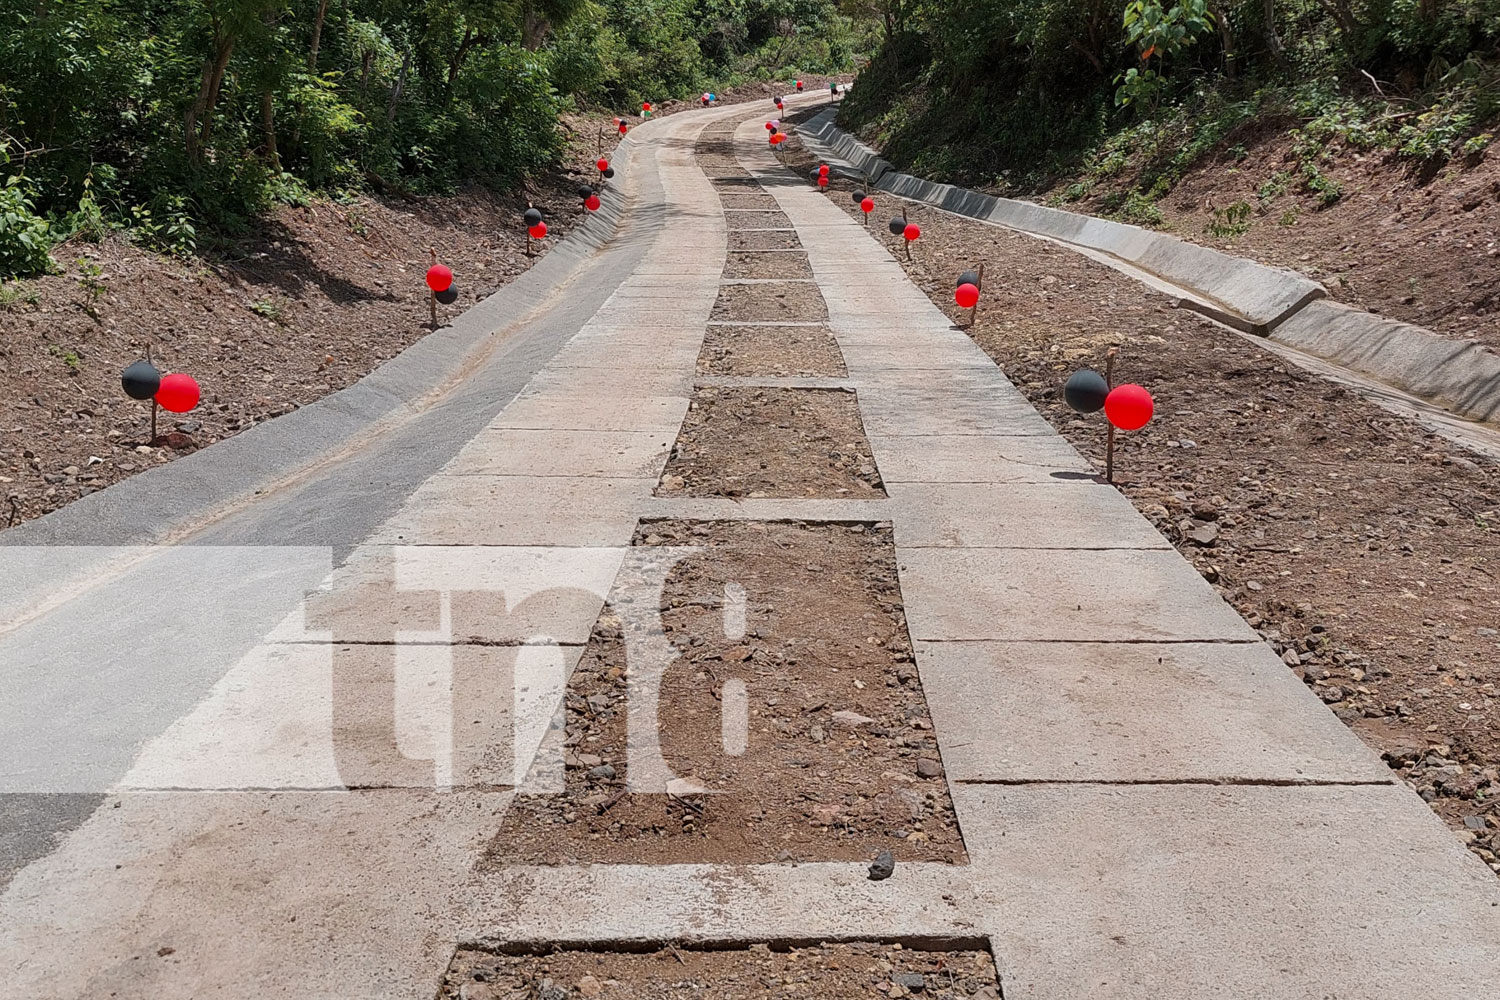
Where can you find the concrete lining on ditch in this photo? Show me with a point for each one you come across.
(1240, 293)
(1254, 298)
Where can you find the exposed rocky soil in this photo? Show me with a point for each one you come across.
(751, 442)
(779, 302)
(767, 265)
(771, 350)
(796, 629)
(855, 971)
(1362, 546)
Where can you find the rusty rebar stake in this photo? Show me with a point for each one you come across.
(1109, 381)
(974, 312)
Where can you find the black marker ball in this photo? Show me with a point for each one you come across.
(968, 278)
(609, 171)
(585, 192)
(448, 296)
(1085, 391)
(140, 380)
(532, 217)
(898, 227)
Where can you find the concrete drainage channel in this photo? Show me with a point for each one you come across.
(1288, 310)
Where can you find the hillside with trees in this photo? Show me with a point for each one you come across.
(178, 122)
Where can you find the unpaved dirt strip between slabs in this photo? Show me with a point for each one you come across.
(1147, 804)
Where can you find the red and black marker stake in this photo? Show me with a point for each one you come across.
(970, 284)
(440, 287)
(1127, 407)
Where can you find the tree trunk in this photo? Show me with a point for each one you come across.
(364, 70)
(470, 42)
(312, 55)
(390, 111)
(1273, 38)
(199, 119)
(1226, 38)
(1343, 13)
(534, 28)
(268, 125)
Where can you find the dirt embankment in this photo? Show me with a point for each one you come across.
(1362, 547)
(1413, 243)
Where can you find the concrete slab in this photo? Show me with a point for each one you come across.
(324, 717)
(1087, 515)
(610, 383)
(611, 454)
(634, 904)
(892, 410)
(591, 413)
(976, 458)
(1062, 595)
(944, 356)
(518, 510)
(256, 894)
(442, 594)
(621, 356)
(1180, 892)
(1015, 712)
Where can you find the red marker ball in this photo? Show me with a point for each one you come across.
(1129, 407)
(178, 393)
(867, 206)
(913, 233)
(592, 203)
(823, 169)
(822, 182)
(967, 296)
(602, 164)
(439, 277)
(538, 231)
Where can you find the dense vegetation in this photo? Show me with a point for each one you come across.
(1021, 93)
(179, 120)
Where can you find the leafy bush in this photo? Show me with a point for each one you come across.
(25, 237)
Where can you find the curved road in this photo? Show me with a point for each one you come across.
(219, 784)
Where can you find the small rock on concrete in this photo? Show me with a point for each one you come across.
(883, 867)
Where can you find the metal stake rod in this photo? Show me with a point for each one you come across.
(152, 439)
(974, 312)
(1109, 380)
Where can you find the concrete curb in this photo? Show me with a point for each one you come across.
(1240, 293)
(1458, 375)
(162, 503)
(1253, 298)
